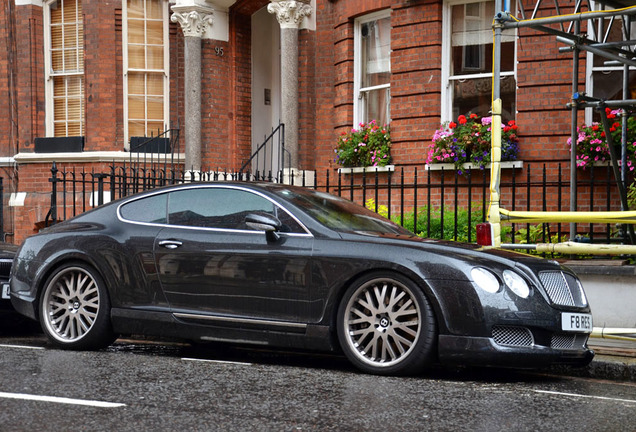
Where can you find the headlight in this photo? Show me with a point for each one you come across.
(485, 279)
(516, 283)
(583, 297)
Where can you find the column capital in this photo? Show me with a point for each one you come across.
(290, 13)
(194, 20)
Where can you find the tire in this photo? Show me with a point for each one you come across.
(75, 309)
(386, 326)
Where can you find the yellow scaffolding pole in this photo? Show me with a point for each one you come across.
(614, 333)
(621, 217)
(495, 213)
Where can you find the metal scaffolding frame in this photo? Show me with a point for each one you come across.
(567, 27)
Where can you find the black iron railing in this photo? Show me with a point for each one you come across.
(436, 204)
(270, 159)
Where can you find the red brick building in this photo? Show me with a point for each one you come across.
(106, 71)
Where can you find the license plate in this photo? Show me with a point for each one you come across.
(576, 322)
(5, 291)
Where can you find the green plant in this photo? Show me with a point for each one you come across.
(469, 140)
(539, 233)
(429, 222)
(631, 196)
(591, 143)
(370, 145)
(382, 210)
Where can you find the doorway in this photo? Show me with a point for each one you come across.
(265, 88)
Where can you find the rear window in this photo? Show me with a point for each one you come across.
(151, 209)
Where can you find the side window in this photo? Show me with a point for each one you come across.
(222, 208)
(149, 210)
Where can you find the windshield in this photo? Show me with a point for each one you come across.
(339, 214)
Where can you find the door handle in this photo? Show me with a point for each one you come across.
(170, 244)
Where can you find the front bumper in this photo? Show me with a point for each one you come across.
(483, 351)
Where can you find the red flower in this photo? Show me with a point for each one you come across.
(512, 123)
(461, 119)
(595, 128)
(473, 116)
(603, 134)
(506, 128)
(452, 125)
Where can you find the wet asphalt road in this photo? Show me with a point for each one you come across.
(178, 387)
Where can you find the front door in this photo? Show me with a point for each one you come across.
(265, 88)
(211, 263)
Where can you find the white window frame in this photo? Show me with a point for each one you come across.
(166, 67)
(447, 78)
(49, 111)
(358, 108)
(590, 68)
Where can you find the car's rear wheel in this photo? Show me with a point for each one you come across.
(75, 308)
(386, 325)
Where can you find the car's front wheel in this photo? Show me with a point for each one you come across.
(386, 325)
(75, 308)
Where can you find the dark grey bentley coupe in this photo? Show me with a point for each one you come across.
(270, 264)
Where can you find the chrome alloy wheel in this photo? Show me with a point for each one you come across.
(383, 322)
(71, 304)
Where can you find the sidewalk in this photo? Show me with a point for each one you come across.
(614, 360)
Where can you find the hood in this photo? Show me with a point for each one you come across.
(508, 257)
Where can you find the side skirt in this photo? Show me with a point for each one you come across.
(238, 330)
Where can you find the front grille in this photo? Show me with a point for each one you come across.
(563, 289)
(5, 268)
(568, 341)
(512, 336)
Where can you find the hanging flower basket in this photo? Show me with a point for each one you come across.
(591, 143)
(469, 141)
(368, 146)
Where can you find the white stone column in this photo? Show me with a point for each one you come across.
(194, 21)
(290, 14)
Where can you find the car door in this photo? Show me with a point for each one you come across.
(210, 263)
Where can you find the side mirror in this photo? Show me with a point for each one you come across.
(264, 222)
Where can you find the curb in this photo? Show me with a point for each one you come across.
(613, 368)
(604, 366)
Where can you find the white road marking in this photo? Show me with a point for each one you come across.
(216, 361)
(21, 346)
(62, 400)
(586, 396)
